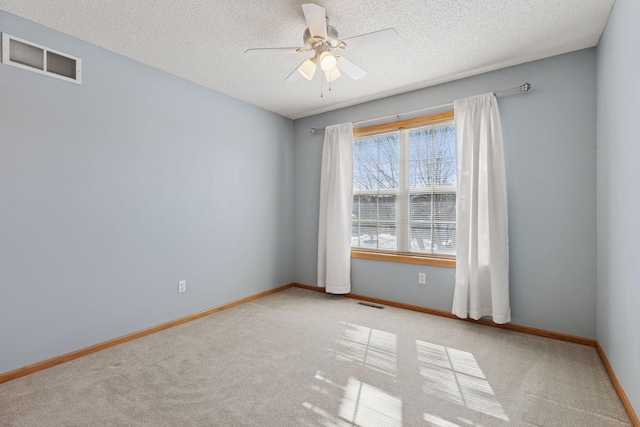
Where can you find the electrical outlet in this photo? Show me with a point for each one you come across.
(182, 286)
(422, 278)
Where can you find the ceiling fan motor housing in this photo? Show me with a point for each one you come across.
(332, 37)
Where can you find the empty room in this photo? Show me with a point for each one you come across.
(341, 213)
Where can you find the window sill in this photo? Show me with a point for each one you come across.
(407, 259)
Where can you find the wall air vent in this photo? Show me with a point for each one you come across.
(371, 305)
(30, 56)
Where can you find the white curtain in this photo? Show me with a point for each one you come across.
(482, 259)
(336, 199)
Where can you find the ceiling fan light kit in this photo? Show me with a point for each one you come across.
(308, 68)
(332, 75)
(320, 38)
(328, 62)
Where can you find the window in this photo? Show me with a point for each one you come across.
(404, 188)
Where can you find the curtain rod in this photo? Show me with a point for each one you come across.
(522, 88)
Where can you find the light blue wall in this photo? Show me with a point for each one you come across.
(550, 138)
(619, 195)
(112, 191)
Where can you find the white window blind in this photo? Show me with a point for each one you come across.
(404, 192)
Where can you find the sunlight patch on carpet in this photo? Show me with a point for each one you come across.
(368, 406)
(372, 348)
(455, 375)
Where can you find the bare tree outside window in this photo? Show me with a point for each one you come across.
(376, 178)
(425, 178)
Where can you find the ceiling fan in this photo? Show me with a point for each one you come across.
(321, 39)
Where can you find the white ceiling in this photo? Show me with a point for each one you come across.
(440, 41)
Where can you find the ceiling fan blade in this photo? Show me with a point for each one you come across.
(376, 37)
(295, 75)
(269, 50)
(316, 19)
(350, 69)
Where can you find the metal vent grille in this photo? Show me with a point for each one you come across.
(22, 53)
(61, 65)
(42, 60)
(371, 305)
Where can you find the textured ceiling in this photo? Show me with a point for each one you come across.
(440, 40)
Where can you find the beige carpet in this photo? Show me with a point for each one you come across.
(302, 358)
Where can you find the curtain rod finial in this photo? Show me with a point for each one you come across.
(525, 87)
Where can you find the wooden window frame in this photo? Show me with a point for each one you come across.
(445, 116)
(408, 258)
(411, 258)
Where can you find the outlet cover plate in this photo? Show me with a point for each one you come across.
(182, 286)
(422, 278)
